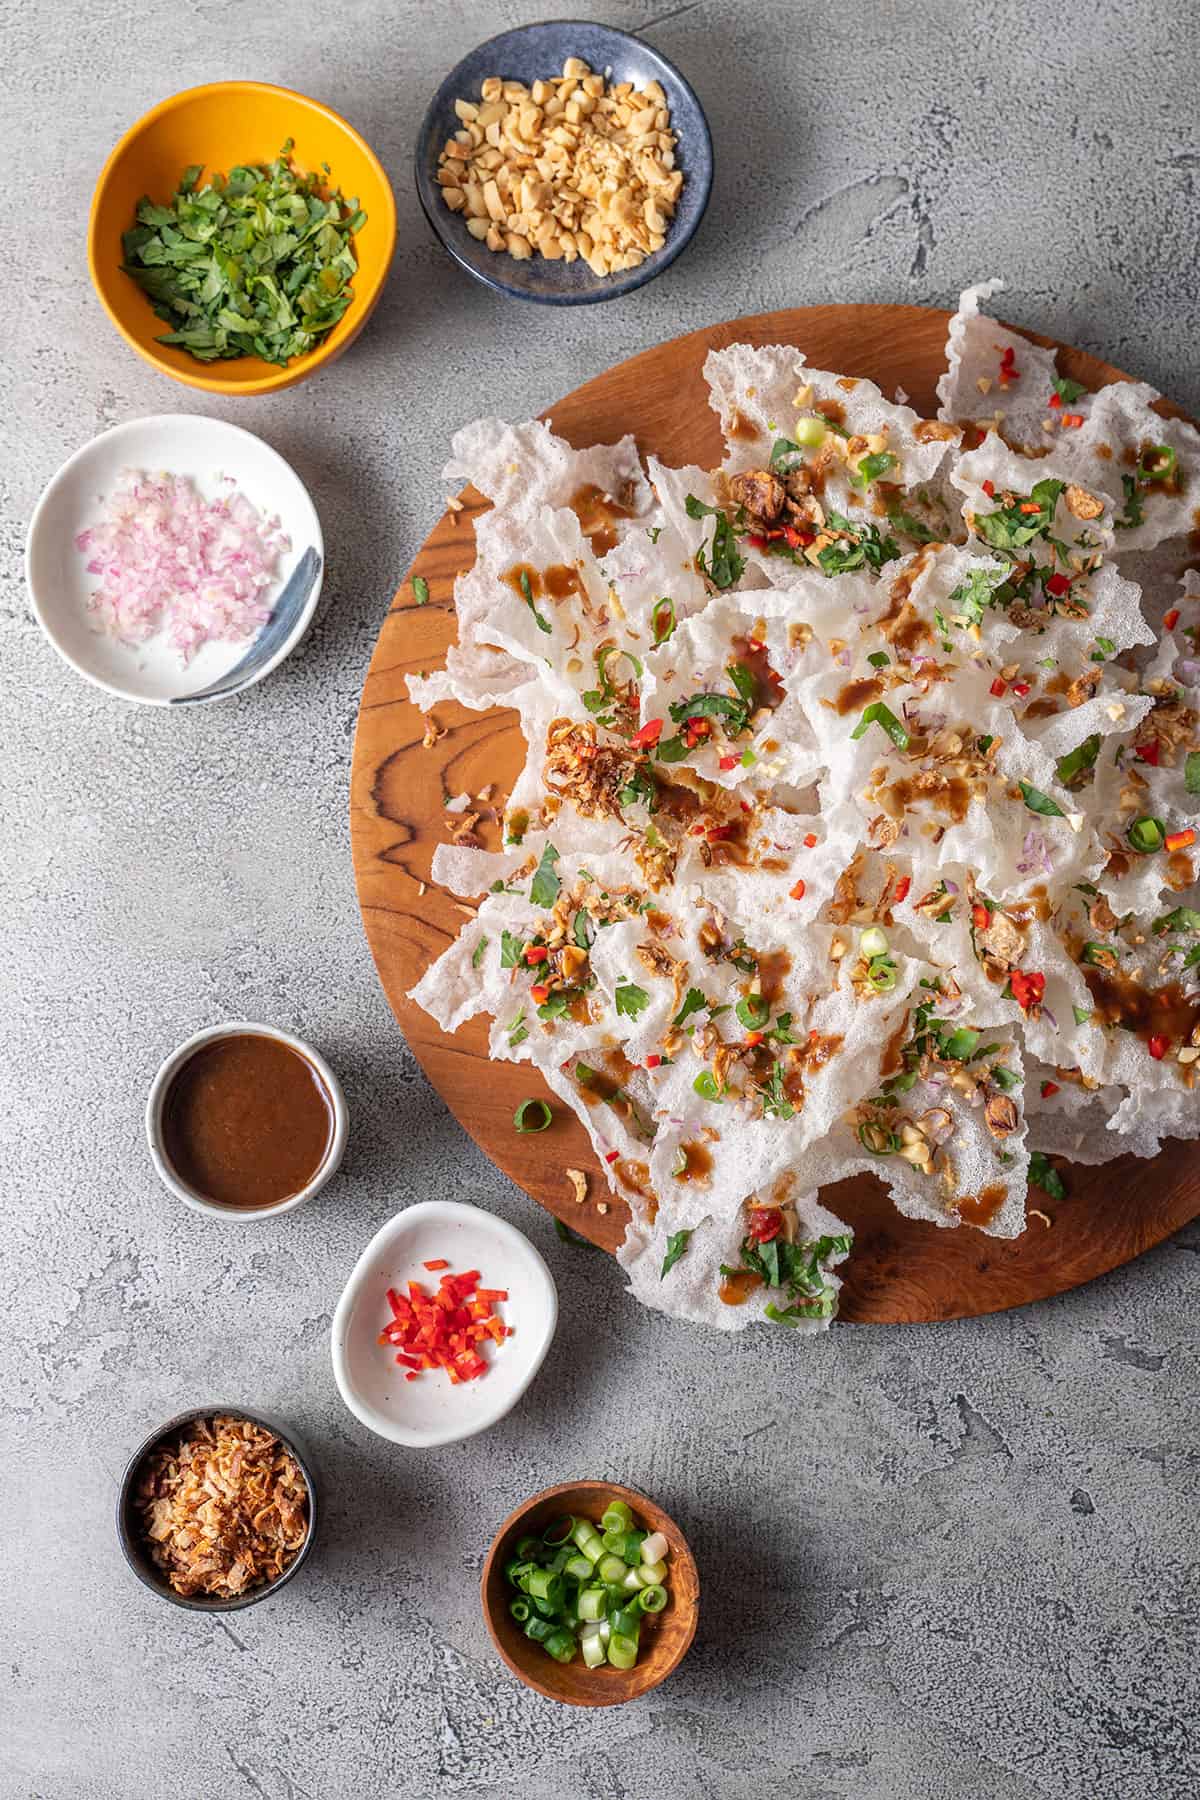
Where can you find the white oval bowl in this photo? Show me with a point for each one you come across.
(205, 450)
(158, 1094)
(431, 1411)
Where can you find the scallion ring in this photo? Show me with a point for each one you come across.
(541, 1112)
(877, 1139)
(1146, 835)
(1157, 463)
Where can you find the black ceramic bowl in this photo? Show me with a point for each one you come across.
(537, 52)
(129, 1530)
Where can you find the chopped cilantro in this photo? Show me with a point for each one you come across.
(871, 468)
(857, 547)
(1009, 527)
(724, 565)
(512, 949)
(1037, 802)
(631, 1000)
(1043, 1174)
(543, 624)
(1067, 390)
(677, 1243)
(420, 588)
(694, 1001)
(879, 714)
(545, 887)
(1076, 761)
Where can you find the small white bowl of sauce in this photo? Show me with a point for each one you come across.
(244, 1121)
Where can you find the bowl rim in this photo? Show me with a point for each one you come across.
(300, 367)
(393, 1430)
(139, 1563)
(170, 1066)
(635, 1499)
(205, 422)
(633, 278)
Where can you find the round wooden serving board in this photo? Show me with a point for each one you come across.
(901, 1269)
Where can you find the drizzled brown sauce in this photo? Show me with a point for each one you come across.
(981, 1208)
(833, 410)
(857, 694)
(598, 513)
(738, 1285)
(768, 690)
(742, 428)
(952, 794)
(1118, 999)
(697, 1163)
(557, 582)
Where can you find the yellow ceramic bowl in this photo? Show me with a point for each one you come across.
(220, 125)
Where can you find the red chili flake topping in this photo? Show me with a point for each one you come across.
(1147, 753)
(1171, 619)
(810, 838)
(998, 688)
(902, 887)
(539, 993)
(989, 488)
(1180, 840)
(798, 891)
(1029, 506)
(1054, 400)
(766, 1222)
(443, 1330)
(536, 953)
(1058, 585)
(652, 1062)
(753, 1039)
(1072, 421)
(649, 734)
(728, 762)
(1048, 1088)
(694, 729)
(1158, 1046)
(610, 1156)
(1028, 990)
(981, 918)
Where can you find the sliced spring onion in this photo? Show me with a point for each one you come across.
(594, 1652)
(809, 431)
(1157, 463)
(560, 1645)
(879, 714)
(622, 1651)
(616, 1516)
(654, 1547)
(559, 1530)
(519, 1609)
(538, 1629)
(631, 1583)
(657, 1571)
(592, 1603)
(537, 1110)
(873, 942)
(611, 1568)
(652, 1599)
(578, 1567)
(1146, 835)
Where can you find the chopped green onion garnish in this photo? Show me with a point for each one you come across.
(533, 1115)
(1157, 463)
(1146, 835)
(879, 714)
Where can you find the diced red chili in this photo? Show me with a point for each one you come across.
(1020, 689)
(1054, 400)
(981, 918)
(998, 688)
(798, 891)
(1028, 989)
(1171, 619)
(902, 889)
(810, 838)
(1180, 840)
(1058, 585)
(1048, 1088)
(539, 993)
(610, 1156)
(766, 1222)
(653, 1061)
(754, 1039)
(1072, 421)
(989, 488)
(1158, 1046)
(649, 735)
(438, 1262)
(728, 762)
(1030, 506)
(536, 953)
(1148, 752)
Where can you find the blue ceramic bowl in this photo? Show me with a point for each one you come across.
(537, 52)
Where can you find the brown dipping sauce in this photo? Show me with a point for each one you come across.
(246, 1122)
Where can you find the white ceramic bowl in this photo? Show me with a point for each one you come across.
(206, 450)
(158, 1094)
(430, 1410)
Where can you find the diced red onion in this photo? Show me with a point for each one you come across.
(170, 560)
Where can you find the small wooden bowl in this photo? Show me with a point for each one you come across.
(666, 1636)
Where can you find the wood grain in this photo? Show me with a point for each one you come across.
(901, 1269)
(665, 1637)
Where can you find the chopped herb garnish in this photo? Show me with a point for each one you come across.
(706, 1087)
(255, 263)
(879, 659)
(1082, 1014)
(1076, 761)
(1037, 802)
(694, 1002)
(752, 1012)
(871, 468)
(518, 1030)
(632, 1000)
(677, 1243)
(1010, 527)
(1104, 647)
(1191, 772)
(1067, 390)
(796, 1268)
(662, 619)
(973, 596)
(725, 565)
(420, 588)
(512, 949)
(527, 594)
(1043, 1174)
(545, 887)
(1146, 835)
(879, 714)
(533, 1115)
(477, 956)
(583, 931)
(1134, 513)
(856, 547)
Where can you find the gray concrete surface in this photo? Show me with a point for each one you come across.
(939, 1564)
